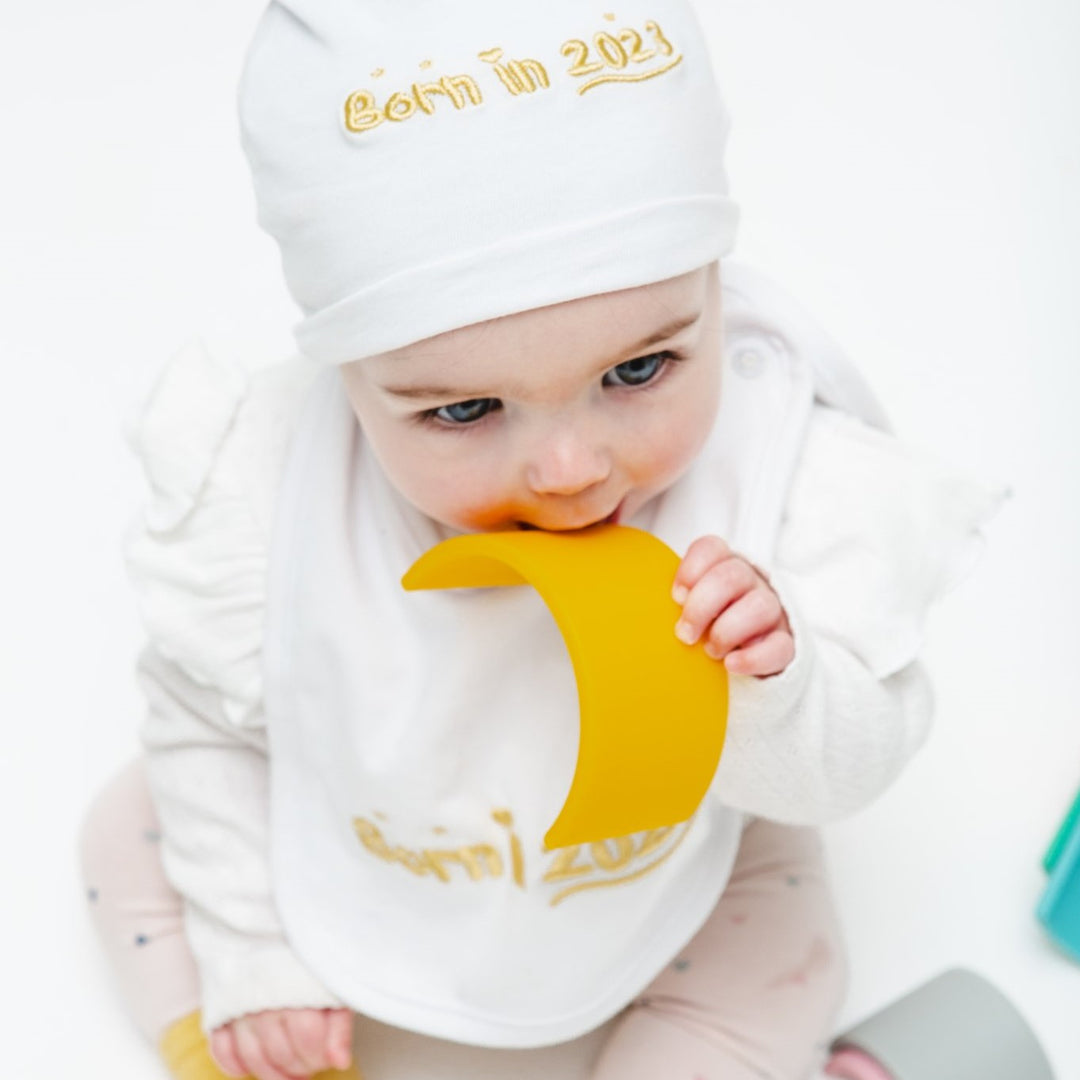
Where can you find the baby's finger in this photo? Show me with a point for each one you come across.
(769, 655)
(700, 556)
(223, 1051)
(278, 1045)
(718, 589)
(339, 1039)
(754, 614)
(307, 1029)
(254, 1057)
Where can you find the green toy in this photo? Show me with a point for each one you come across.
(1059, 908)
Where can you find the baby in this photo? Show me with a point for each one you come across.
(504, 225)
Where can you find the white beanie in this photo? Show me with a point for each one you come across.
(428, 164)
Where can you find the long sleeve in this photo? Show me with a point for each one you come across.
(825, 737)
(209, 784)
(874, 534)
(197, 560)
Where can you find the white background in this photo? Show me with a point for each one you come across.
(909, 171)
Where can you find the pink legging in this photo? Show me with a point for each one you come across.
(752, 996)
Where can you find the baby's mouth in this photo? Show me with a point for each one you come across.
(611, 519)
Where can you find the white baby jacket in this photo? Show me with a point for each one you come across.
(858, 534)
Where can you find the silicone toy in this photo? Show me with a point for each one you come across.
(653, 711)
(1059, 908)
(958, 1026)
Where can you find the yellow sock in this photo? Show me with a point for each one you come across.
(187, 1054)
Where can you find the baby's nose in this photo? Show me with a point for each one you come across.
(567, 463)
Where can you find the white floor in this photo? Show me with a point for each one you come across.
(912, 178)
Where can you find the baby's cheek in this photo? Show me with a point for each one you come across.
(669, 450)
(462, 499)
(484, 515)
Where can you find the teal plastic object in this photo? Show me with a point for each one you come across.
(1059, 908)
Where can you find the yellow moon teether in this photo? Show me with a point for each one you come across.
(653, 711)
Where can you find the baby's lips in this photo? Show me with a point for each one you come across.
(611, 519)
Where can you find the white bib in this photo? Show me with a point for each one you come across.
(421, 744)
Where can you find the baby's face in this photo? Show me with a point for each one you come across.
(556, 418)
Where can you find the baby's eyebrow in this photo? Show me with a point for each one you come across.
(663, 333)
(430, 392)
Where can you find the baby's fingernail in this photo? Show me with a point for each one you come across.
(685, 632)
(712, 652)
(679, 593)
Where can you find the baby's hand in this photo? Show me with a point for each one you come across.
(284, 1044)
(724, 598)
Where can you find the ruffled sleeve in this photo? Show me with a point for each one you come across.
(198, 558)
(874, 533)
(211, 441)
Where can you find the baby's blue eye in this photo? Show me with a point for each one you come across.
(636, 372)
(467, 412)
